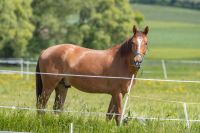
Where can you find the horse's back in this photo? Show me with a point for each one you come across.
(59, 51)
(74, 59)
(54, 56)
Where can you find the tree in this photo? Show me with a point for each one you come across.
(15, 27)
(93, 23)
(51, 19)
(103, 23)
(172, 2)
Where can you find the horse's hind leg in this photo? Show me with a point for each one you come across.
(49, 84)
(42, 100)
(61, 92)
(111, 109)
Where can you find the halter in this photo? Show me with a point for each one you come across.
(136, 53)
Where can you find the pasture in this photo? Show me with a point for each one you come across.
(20, 92)
(174, 32)
(171, 38)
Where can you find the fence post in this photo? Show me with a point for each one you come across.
(27, 69)
(164, 68)
(126, 100)
(186, 115)
(22, 67)
(71, 128)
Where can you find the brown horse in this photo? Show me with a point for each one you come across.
(119, 61)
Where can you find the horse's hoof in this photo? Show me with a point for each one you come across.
(125, 121)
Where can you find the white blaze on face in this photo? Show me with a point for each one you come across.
(139, 41)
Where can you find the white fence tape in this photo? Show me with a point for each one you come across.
(163, 100)
(65, 111)
(17, 61)
(184, 61)
(93, 76)
(162, 119)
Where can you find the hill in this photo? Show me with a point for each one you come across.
(174, 32)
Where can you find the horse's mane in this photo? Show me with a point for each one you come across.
(126, 48)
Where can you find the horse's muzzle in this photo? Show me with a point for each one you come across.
(137, 64)
(137, 61)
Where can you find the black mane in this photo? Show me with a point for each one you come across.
(126, 47)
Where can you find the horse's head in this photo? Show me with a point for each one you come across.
(139, 45)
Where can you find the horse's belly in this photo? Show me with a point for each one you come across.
(93, 85)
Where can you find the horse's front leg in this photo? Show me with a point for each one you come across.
(111, 109)
(118, 109)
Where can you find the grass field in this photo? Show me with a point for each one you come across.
(172, 36)
(21, 92)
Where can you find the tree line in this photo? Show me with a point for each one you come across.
(194, 4)
(29, 26)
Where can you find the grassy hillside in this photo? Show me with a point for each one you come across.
(174, 32)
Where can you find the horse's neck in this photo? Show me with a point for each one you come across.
(123, 63)
(128, 65)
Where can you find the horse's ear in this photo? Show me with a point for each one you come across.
(146, 30)
(134, 29)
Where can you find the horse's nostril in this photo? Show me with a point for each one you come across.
(137, 64)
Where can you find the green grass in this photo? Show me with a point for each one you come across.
(172, 30)
(20, 92)
(50, 123)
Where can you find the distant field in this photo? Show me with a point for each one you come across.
(168, 14)
(174, 32)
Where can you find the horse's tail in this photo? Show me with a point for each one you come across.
(38, 81)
